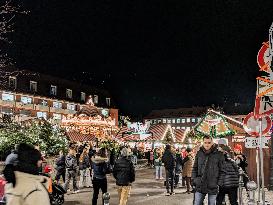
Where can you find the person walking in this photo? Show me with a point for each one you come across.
(71, 169)
(60, 167)
(124, 173)
(230, 180)
(169, 163)
(178, 166)
(207, 172)
(28, 187)
(158, 164)
(101, 167)
(187, 168)
(84, 165)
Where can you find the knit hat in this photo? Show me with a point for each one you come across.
(238, 147)
(222, 141)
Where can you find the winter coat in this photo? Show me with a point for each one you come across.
(179, 161)
(157, 159)
(207, 172)
(100, 167)
(169, 160)
(124, 172)
(71, 163)
(60, 164)
(231, 173)
(29, 190)
(85, 163)
(187, 166)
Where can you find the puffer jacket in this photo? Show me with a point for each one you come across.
(29, 190)
(207, 177)
(100, 167)
(231, 173)
(60, 164)
(124, 171)
(71, 163)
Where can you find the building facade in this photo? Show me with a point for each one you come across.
(25, 94)
(181, 118)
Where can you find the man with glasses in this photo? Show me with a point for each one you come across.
(207, 173)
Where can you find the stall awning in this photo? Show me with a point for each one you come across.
(79, 137)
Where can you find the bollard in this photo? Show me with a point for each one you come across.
(106, 198)
(241, 185)
(251, 186)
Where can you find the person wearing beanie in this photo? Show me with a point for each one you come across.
(124, 173)
(187, 168)
(230, 180)
(28, 187)
(241, 161)
(169, 162)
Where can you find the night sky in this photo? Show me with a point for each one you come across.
(148, 54)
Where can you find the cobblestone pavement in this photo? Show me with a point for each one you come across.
(145, 191)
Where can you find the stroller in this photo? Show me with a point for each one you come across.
(2, 187)
(56, 191)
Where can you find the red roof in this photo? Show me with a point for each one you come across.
(79, 137)
(159, 131)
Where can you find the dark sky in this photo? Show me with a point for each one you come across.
(148, 54)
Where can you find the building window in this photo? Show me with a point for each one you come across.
(33, 86)
(57, 116)
(42, 115)
(173, 128)
(169, 121)
(193, 120)
(26, 100)
(25, 112)
(43, 102)
(53, 90)
(71, 106)
(173, 121)
(7, 97)
(57, 104)
(96, 99)
(164, 121)
(178, 121)
(108, 102)
(188, 119)
(184, 128)
(7, 110)
(12, 82)
(83, 96)
(178, 128)
(69, 93)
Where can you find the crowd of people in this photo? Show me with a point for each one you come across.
(212, 169)
(27, 184)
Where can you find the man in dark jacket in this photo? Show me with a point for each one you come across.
(124, 173)
(207, 172)
(169, 163)
(71, 169)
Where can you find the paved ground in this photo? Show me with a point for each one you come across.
(145, 191)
